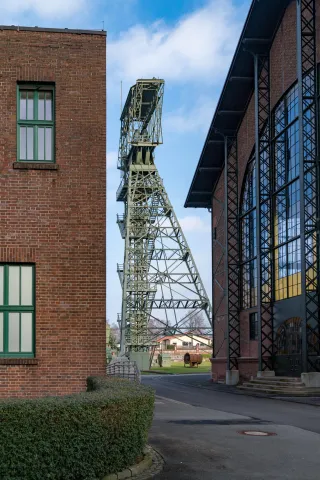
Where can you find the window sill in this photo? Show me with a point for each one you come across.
(18, 361)
(35, 166)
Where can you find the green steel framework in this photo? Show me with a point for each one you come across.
(159, 272)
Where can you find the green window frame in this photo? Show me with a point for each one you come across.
(35, 123)
(17, 310)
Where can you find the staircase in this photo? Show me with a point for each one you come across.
(279, 386)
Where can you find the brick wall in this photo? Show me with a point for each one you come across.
(56, 219)
(282, 76)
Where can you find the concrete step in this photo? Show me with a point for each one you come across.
(274, 386)
(307, 392)
(280, 384)
(278, 379)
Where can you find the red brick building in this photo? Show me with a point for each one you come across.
(262, 188)
(52, 209)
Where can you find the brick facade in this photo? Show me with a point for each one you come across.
(55, 217)
(283, 73)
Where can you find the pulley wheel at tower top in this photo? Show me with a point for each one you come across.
(192, 359)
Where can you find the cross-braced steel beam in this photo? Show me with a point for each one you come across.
(264, 227)
(232, 251)
(309, 182)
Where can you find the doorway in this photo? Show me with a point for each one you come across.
(288, 348)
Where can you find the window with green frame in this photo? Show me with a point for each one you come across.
(35, 123)
(17, 299)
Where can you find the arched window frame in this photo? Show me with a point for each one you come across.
(286, 196)
(286, 208)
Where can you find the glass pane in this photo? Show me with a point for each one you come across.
(23, 143)
(14, 328)
(48, 143)
(14, 285)
(41, 106)
(48, 106)
(26, 285)
(1, 332)
(292, 103)
(29, 143)
(30, 106)
(26, 332)
(40, 143)
(1, 285)
(23, 105)
(279, 118)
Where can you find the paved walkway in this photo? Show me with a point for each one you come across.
(198, 432)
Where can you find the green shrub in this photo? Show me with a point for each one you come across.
(76, 437)
(170, 347)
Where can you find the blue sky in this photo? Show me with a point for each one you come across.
(188, 43)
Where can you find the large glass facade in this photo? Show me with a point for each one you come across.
(286, 209)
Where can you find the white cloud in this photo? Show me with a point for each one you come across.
(43, 8)
(195, 119)
(112, 158)
(198, 47)
(194, 224)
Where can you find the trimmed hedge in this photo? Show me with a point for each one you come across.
(76, 437)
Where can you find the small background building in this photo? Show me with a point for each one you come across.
(52, 209)
(185, 341)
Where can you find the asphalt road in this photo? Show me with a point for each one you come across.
(198, 430)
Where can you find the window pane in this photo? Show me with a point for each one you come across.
(292, 104)
(1, 332)
(23, 143)
(14, 285)
(1, 285)
(280, 161)
(40, 143)
(293, 151)
(48, 106)
(41, 106)
(30, 106)
(26, 285)
(293, 210)
(29, 143)
(26, 332)
(14, 329)
(279, 118)
(253, 320)
(48, 143)
(23, 105)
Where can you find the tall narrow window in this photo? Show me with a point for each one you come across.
(17, 311)
(287, 253)
(253, 323)
(35, 123)
(248, 240)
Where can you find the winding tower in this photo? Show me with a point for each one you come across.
(161, 287)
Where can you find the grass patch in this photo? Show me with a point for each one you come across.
(178, 368)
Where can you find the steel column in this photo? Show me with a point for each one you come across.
(264, 227)
(309, 182)
(232, 251)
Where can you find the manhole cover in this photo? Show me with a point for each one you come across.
(256, 433)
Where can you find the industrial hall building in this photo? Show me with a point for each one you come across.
(259, 176)
(52, 209)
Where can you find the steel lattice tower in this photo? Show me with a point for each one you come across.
(159, 278)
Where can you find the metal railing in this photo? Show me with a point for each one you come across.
(124, 368)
